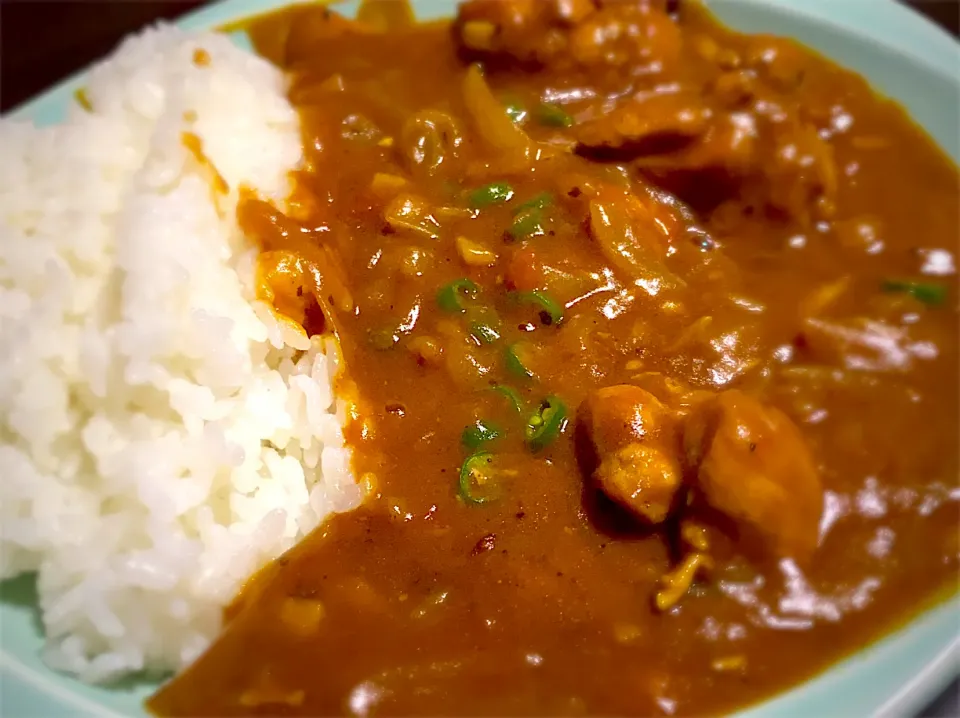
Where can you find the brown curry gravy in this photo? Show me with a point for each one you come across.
(541, 602)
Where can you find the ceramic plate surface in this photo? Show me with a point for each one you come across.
(905, 57)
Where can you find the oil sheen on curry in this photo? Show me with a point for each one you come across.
(652, 330)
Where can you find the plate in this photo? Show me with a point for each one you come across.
(905, 57)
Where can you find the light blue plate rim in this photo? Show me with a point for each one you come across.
(897, 676)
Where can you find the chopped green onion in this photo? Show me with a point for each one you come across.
(553, 116)
(484, 324)
(514, 362)
(528, 223)
(382, 339)
(926, 292)
(528, 217)
(479, 479)
(540, 201)
(546, 423)
(549, 311)
(452, 297)
(478, 433)
(516, 112)
(493, 193)
(511, 395)
(483, 333)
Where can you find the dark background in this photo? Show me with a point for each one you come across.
(42, 41)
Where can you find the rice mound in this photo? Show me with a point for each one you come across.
(161, 435)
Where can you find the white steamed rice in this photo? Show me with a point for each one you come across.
(160, 438)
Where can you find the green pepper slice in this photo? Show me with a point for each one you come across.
(479, 480)
(549, 310)
(514, 362)
(553, 116)
(540, 201)
(527, 224)
(528, 217)
(484, 325)
(479, 433)
(511, 395)
(929, 293)
(483, 333)
(493, 193)
(546, 423)
(452, 297)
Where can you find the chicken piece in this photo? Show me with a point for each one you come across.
(646, 125)
(781, 62)
(752, 464)
(784, 166)
(528, 31)
(799, 175)
(567, 33)
(625, 33)
(713, 167)
(635, 444)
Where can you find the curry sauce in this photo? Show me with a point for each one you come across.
(654, 331)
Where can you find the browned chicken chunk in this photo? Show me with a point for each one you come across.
(725, 140)
(646, 125)
(528, 31)
(568, 33)
(636, 445)
(752, 464)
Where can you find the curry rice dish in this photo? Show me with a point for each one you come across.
(643, 338)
